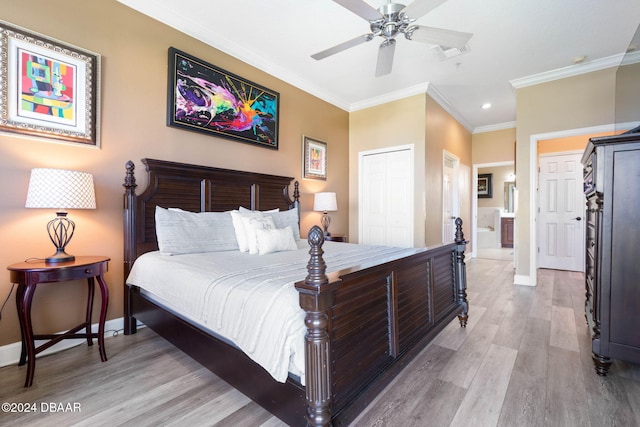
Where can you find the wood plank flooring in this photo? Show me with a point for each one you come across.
(523, 360)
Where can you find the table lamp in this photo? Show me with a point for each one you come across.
(60, 189)
(325, 202)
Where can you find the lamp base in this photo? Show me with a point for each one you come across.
(59, 256)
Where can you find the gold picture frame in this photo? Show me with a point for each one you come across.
(48, 88)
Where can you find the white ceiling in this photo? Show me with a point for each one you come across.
(514, 43)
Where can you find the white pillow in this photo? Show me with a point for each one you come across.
(288, 218)
(241, 235)
(276, 240)
(251, 225)
(242, 209)
(183, 232)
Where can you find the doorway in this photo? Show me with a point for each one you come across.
(450, 195)
(561, 205)
(487, 212)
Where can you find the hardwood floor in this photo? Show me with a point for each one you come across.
(523, 360)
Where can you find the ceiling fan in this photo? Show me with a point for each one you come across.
(391, 20)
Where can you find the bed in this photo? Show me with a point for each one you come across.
(396, 305)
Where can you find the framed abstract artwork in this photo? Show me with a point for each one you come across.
(48, 88)
(314, 158)
(207, 99)
(485, 186)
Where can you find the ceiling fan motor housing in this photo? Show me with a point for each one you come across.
(392, 22)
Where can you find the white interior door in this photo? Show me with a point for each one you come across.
(450, 198)
(561, 213)
(386, 197)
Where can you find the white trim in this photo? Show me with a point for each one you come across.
(389, 97)
(10, 353)
(570, 71)
(493, 128)
(519, 279)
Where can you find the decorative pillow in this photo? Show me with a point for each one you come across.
(241, 235)
(275, 240)
(251, 225)
(288, 218)
(239, 228)
(183, 232)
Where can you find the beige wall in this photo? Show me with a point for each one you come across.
(443, 132)
(420, 121)
(134, 84)
(396, 123)
(571, 103)
(494, 146)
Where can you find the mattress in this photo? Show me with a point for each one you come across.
(249, 300)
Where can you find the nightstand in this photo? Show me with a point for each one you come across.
(336, 238)
(27, 275)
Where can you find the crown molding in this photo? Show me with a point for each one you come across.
(388, 97)
(570, 71)
(492, 128)
(442, 101)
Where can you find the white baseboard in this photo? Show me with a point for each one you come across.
(10, 353)
(520, 279)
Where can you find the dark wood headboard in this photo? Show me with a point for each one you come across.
(194, 188)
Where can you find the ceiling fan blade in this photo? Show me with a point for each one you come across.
(360, 8)
(420, 8)
(385, 57)
(440, 36)
(342, 46)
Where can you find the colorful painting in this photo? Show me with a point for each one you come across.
(314, 158)
(52, 87)
(46, 88)
(207, 99)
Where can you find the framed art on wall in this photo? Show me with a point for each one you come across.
(485, 186)
(207, 99)
(314, 158)
(48, 88)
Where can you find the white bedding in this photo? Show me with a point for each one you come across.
(249, 299)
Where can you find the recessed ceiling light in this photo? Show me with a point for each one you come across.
(486, 105)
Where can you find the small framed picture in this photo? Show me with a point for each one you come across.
(485, 189)
(314, 158)
(48, 88)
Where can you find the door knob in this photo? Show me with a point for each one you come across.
(577, 218)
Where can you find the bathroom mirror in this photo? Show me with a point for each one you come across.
(509, 188)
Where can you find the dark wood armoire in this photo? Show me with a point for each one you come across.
(612, 274)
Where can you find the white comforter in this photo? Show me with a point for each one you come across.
(248, 299)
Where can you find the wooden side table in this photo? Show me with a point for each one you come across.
(27, 275)
(336, 238)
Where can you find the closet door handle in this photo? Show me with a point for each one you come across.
(577, 218)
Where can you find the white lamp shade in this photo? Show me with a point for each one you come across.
(60, 189)
(325, 202)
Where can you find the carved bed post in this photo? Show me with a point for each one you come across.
(315, 298)
(461, 274)
(130, 234)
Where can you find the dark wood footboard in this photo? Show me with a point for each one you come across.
(363, 326)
